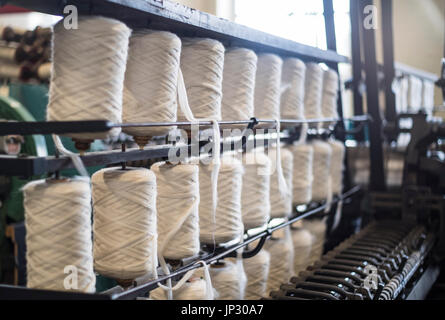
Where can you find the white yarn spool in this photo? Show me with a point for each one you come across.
(257, 271)
(292, 85)
(302, 174)
(414, 93)
(151, 81)
(238, 84)
(313, 91)
(196, 286)
(267, 87)
(330, 95)
(337, 165)
(281, 259)
(281, 202)
(58, 234)
(317, 227)
(255, 202)
(177, 210)
(229, 280)
(321, 185)
(88, 73)
(125, 238)
(202, 62)
(302, 241)
(428, 96)
(228, 224)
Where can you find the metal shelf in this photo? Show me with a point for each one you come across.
(184, 21)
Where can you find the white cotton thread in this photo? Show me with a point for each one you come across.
(87, 75)
(302, 243)
(228, 224)
(151, 78)
(317, 227)
(177, 205)
(313, 91)
(281, 259)
(321, 184)
(125, 237)
(75, 158)
(267, 87)
(238, 84)
(330, 95)
(257, 271)
(281, 202)
(202, 62)
(428, 96)
(255, 202)
(292, 86)
(201, 84)
(58, 234)
(303, 155)
(337, 165)
(229, 280)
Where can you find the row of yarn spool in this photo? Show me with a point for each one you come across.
(141, 215)
(412, 94)
(104, 71)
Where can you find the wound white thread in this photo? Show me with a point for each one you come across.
(255, 202)
(257, 271)
(330, 95)
(322, 182)
(238, 84)
(337, 165)
(292, 86)
(281, 202)
(302, 242)
(58, 234)
(281, 259)
(177, 210)
(313, 92)
(202, 62)
(229, 280)
(317, 227)
(151, 81)
(414, 94)
(228, 223)
(88, 73)
(303, 155)
(267, 87)
(125, 237)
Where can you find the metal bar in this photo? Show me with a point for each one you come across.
(168, 15)
(388, 65)
(377, 175)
